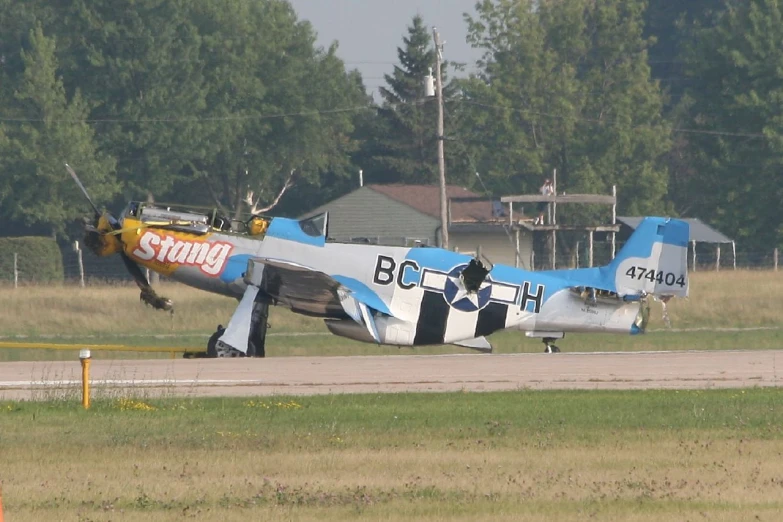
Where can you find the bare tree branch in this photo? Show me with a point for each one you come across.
(289, 182)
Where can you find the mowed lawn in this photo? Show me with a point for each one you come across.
(744, 307)
(600, 455)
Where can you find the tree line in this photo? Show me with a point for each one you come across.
(224, 104)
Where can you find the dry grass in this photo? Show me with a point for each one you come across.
(728, 298)
(731, 299)
(114, 315)
(494, 458)
(55, 310)
(654, 479)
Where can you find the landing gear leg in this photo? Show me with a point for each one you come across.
(257, 313)
(550, 348)
(212, 347)
(256, 342)
(212, 343)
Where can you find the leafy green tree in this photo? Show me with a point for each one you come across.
(138, 65)
(5, 186)
(200, 101)
(733, 110)
(50, 130)
(667, 25)
(279, 110)
(567, 86)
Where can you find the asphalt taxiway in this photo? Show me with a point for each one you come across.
(402, 373)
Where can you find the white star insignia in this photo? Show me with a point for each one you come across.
(463, 293)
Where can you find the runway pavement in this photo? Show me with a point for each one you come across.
(382, 374)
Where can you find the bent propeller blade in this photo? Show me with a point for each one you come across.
(84, 190)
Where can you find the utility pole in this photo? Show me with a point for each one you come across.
(444, 218)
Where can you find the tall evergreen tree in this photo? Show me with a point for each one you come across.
(403, 138)
(51, 130)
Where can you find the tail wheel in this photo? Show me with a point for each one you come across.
(548, 346)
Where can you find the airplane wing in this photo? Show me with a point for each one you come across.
(295, 286)
(304, 290)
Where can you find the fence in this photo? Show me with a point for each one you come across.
(78, 267)
(94, 270)
(704, 261)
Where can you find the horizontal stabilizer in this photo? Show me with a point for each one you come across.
(480, 344)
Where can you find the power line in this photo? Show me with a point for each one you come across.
(372, 107)
(607, 122)
(195, 119)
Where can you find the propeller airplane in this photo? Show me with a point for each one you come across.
(384, 294)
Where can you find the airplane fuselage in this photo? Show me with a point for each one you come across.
(419, 293)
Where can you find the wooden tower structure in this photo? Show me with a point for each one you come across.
(552, 227)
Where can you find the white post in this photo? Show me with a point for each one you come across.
(614, 218)
(577, 254)
(693, 263)
(361, 178)
(554, 203)
(590, 250)
(16, 270)
(81, 268)
(734, 253)
(775, 258)
(554, 249)
(78, 251)
(516, 249)
(532, 259)
(444, 230)
(717, 258)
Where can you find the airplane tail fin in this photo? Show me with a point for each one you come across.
(654, 260)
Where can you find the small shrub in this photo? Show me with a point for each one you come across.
(38, 259)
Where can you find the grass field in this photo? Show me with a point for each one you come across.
(113, 315)
(567, 456)
(639, 456)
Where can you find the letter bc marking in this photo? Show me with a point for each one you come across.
(407, 274)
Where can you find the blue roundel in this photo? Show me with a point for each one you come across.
(458, 297)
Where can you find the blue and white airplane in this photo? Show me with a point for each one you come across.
(384, 294)
(425, 296)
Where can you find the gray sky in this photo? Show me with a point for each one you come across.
(369, 31)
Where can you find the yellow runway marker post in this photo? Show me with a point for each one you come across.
(84, 357)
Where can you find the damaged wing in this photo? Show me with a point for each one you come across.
(305, 291)
(295, 286)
